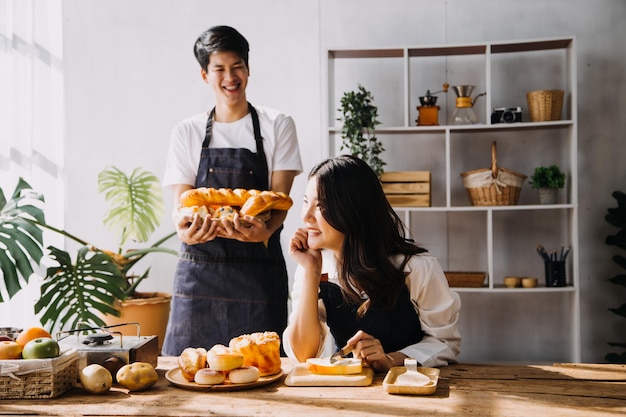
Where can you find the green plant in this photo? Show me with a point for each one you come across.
(360, 118)
(77, 290)
(617, 217)
(548, 177)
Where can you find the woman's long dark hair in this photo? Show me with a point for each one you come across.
(352, 200)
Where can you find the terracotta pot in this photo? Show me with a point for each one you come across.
(150, 310)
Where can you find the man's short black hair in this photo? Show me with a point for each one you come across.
(220, 39)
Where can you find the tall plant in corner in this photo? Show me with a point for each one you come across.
(360, 118)
(80, 289)
(617, 217)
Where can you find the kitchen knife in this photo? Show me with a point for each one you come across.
(341, 353)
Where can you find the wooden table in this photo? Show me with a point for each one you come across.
(463, 390)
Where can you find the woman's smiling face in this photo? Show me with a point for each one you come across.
(321, 235)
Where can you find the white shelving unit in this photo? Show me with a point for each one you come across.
(498, 324)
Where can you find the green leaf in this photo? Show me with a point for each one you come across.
(136, 203)
(619, 280)
(621, 310)
(21, 240)
(72, 293)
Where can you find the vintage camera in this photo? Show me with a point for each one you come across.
(506, 115)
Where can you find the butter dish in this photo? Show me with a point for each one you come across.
(395, 385)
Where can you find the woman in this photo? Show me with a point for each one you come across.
(385, 296)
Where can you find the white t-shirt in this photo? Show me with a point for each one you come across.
(280, 143)
(438, 308)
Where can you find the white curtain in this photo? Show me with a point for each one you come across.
(31, 119)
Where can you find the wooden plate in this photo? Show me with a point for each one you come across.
(176, 378)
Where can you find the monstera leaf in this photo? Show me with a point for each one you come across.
(73, 293)
(136, 203)
(21, 241)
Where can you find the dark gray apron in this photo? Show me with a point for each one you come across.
(225, 288)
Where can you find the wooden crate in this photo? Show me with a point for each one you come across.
(407, 188)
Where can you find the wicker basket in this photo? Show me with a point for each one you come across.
(38, 378)
(545, 105)
(466, 279)
(493, 186)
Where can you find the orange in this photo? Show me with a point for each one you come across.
(31, 333)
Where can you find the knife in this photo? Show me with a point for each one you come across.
(341, 353)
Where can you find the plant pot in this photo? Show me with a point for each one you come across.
(150, 310)
(547, 195)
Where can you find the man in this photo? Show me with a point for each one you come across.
(231, 276)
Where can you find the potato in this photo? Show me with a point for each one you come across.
(137, 376)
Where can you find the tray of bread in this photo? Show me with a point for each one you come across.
(249, 361)
(318, 372)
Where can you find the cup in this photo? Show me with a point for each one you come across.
(512, 282)
(529, 282)
(555, 274)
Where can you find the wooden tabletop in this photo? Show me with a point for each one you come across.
(463, 390)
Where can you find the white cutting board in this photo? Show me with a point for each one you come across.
(301, 377)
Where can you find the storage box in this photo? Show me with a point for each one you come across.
(466, 279)
(38, 378)
(407, 188)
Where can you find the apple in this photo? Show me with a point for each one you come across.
(41, 348)
(96, 379)
(10, 350)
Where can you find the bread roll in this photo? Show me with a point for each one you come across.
(345, 366)
(190, 361)
(244, 375)
(221, 358)
(261, 350)
(206, 376)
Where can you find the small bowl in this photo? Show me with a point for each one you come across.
(512, 282)
(529, 282)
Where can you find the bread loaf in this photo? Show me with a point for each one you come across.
(261, 350)
(224, 202)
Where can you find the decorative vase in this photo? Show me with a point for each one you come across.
(547, 195)
(150, 310)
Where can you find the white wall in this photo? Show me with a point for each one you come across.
(131, 75)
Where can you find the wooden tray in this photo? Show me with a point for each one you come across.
(300, 376)
(176, 378)
(392, 388)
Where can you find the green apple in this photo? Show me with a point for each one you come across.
(41, 348)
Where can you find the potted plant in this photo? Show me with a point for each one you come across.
(360, 118)
(617, 217)
(91, 285)
(547, 180)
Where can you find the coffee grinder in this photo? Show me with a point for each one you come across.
(428, 112)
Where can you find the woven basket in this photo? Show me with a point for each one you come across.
(466, 279)
(38, 378)
(545, 105)
(493, 186)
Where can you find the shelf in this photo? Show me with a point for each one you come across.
(488, 208)
(500, 240)
(465, 128)
(501, 289)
